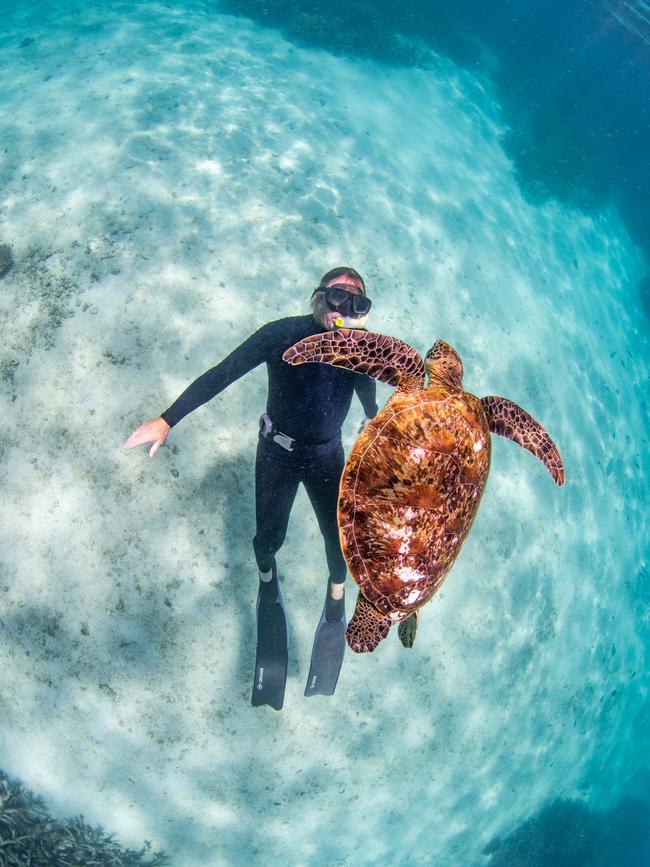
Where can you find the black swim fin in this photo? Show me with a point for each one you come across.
(326, 655)
(272, 645)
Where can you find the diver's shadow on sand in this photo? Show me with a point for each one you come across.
(228, 488)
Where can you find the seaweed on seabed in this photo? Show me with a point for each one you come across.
(6, 259)
(29, 836)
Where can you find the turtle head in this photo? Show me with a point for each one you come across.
(443, 364)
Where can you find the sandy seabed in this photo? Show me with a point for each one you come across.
(171, 179)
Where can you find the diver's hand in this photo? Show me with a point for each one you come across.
(153, 431)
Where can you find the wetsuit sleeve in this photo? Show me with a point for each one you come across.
(252, 352)
(366, 389)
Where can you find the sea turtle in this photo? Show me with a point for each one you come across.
(413, 481)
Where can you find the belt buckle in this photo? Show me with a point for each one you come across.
(283, 440)
(269, 431)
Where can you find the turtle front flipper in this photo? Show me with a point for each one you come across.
(509, 420)
(408, 628)
(368, 627)
(378, 355)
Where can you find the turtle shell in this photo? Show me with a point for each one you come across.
(409, 493)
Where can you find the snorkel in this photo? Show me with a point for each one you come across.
(351, 322)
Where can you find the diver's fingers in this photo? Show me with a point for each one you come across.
(154, 448)
(133, 441)
(140, 436)
(153, 431)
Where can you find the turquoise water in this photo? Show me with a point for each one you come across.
(172, 176)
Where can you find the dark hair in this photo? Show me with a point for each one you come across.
(342, 272)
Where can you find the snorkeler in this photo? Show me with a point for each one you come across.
(299, 441)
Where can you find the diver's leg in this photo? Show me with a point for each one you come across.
(275, 488)
(321, 479)
(276, 484)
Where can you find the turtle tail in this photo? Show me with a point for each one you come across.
(368, 627)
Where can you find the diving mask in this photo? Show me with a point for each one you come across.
(339, 299)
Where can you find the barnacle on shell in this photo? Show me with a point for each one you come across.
(6, 259)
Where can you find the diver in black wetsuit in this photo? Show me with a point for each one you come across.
(299, 441)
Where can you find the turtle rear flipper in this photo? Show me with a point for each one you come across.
(509, 420)
(368, 627)
(408, 628)
(384, 358)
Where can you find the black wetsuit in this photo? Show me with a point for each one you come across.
(308, 403)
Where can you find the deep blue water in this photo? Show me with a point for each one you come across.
(572, 80)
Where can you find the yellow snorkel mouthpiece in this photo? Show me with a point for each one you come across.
(339, 322)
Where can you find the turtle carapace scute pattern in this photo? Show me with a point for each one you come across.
(413, 481)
